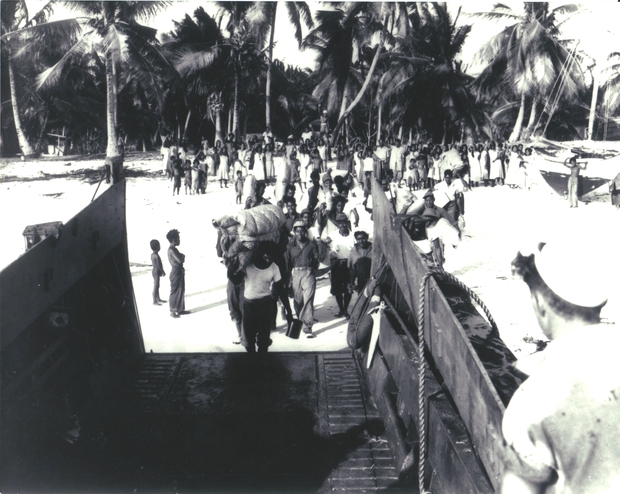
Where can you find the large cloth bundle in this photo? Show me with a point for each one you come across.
(450, 160)
(241, 232)
(414, 202)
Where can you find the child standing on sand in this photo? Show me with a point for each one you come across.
(188, 177)
(239, 186)
(158, 271)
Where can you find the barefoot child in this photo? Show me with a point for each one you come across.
(158, 271)
(239, 187)
(188, 177)
(177, 173)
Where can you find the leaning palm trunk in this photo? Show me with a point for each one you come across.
(269, 69)
(519, 123)
(236, 105)
(529, 130)
(343, 104)
(24, 145)
(362, 90)
(379, 118)
(592, 116)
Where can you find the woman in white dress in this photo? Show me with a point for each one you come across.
(474, 167)
(512, 168)
(304, 164)
(485, 165)
(223, 171)
(496, 172)
(258, 169)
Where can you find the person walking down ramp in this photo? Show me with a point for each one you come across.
(262, 281)
(302, 258)
(177, 275)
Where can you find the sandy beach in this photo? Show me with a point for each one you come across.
(499, 221)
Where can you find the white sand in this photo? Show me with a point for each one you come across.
(499, 220)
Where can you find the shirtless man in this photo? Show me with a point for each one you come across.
(573, 181)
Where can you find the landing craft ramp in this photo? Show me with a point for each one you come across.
(85, 409)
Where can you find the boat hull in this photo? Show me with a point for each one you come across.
(559, 182)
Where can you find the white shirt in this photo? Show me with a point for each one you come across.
(445, 193)
(258, 281)
(341, 246)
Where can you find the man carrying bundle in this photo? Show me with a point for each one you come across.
(262, 284)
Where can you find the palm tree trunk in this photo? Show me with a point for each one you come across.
(379, 115)
(343, 103)
(218, 126)
(236, 107)
(519, 123)
(42, 133)
(592, 117)
(189, 114)
(363, 88)
(24, 145)
(529, 130)
(268, 85)
(110, 75)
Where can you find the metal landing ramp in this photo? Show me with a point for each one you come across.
(232, 423)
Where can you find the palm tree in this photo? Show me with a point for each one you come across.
(527, 58)
(227, 61)
(424, 81)
(17, 25)
(126, 45)
(339, 37)
(262, 17)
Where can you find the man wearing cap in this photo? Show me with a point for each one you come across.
(302, 258)
(573, 181)
(291, 214)
(432, 214)
(340, 244)
(447, 194)
(562, 426)
(360, 261)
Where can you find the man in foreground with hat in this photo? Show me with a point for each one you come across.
(302, 258)
(436, 236)
(562, 426)
(340, 244)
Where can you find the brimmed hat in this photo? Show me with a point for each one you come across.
(305, 210)
(299, 223)
(580, 280)
(341, 217)
(429, 193)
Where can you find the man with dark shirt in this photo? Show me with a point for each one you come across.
(302, 258)
(313, 191)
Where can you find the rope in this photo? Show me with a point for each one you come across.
(99, 184)
(440, 273)
(563, 78)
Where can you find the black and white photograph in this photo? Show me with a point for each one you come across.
(297, 247)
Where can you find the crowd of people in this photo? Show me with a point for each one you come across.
(312, 183)
(415, 165)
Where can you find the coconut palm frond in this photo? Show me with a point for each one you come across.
(51, 76)
(190, 61)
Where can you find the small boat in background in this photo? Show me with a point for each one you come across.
(603, 164)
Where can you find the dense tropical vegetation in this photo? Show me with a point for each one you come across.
(382, 68)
